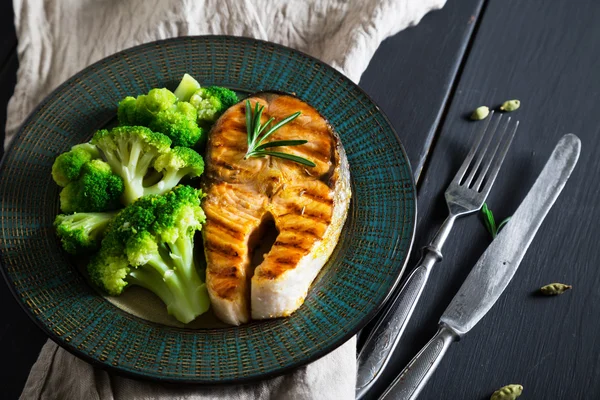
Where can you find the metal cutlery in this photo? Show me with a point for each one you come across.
(492, 273)
(465, 194)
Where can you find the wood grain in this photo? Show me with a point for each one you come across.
(411, 76)
(548, 56)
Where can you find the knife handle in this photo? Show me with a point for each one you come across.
(381, 342)
(411, 381)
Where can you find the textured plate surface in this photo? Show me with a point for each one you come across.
(365, 266)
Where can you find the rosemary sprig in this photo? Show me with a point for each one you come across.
(490, 221)
(258, 133)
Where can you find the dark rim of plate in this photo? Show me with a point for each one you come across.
(240, 380)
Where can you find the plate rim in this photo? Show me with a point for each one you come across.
(227, 381)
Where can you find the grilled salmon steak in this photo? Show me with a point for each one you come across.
(308, 206)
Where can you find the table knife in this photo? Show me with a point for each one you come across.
(492, 272)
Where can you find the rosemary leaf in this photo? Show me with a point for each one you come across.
(503, 223)
(257, 116)
(265, 126)
(286, 156)
(255, 129)
(279, 143)
(490, 222)
(279, 125)
(249, 122)
(488, 219)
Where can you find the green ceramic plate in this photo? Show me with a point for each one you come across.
(131, 336)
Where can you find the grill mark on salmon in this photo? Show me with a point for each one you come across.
(226, 281)
(227, 273)
(235, 124)
(307, 205)
(239, 149)
(291, 245)
(312, 232)
(221, 249)
(305, 212)
(317, 197)
(224, 227)
(226, 165)
(287, 260)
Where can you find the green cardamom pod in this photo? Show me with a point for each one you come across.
(510, 105)
(480, 113)
(508, 392)
(554, 289)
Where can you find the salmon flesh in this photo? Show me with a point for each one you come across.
(308, 206)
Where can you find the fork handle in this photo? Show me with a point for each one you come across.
(411, 381)
(384, 337)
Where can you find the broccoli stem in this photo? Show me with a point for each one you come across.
(132, 164)
(182, 253)
(151, 280)
(152, 178)
(169, 180)
(93, 223)
(186, 88)
(178, 286)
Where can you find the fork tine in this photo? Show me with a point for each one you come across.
(463, 168)
(498, 161)
(488, 161)
(481, 153)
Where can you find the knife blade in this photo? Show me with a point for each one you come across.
(493, 271)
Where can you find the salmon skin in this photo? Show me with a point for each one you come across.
(308, 206)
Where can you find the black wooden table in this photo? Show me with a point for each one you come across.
(427, 79)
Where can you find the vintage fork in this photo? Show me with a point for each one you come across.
(465, 194)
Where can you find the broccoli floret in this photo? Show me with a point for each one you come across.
(145, 160)
(131, 151)
(160, 111)
(109, 268)
(67, 166)
(82, 232)
(157, 100)
(211, 102)
(126, 113)
(178, 123)
(175, 165)
(96, 189)
(150, 244)
(186, 88)
(143, 109)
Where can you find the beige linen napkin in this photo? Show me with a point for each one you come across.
(58, 38)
